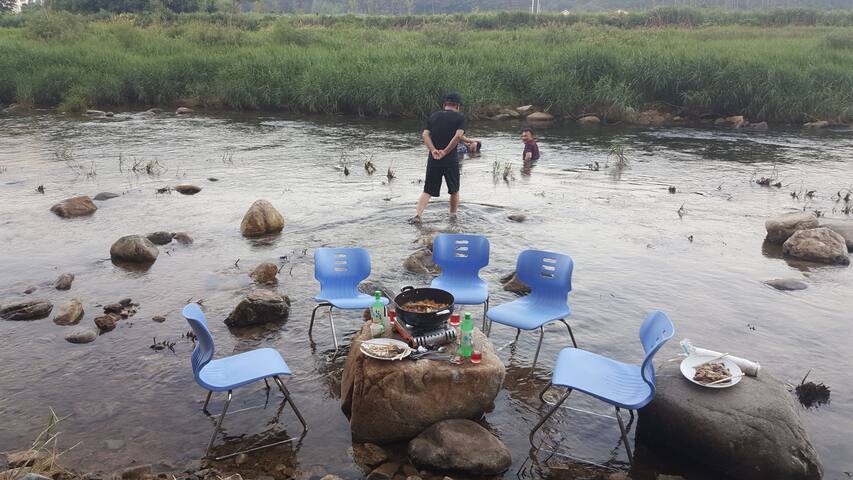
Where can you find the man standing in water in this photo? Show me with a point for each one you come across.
(443, 131)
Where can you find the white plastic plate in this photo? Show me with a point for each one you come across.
(386, 341)
(689, 364)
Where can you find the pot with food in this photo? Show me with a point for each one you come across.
(424, 308)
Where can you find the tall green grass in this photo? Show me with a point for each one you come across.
(386, 66)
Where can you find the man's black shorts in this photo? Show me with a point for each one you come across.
(447, 168)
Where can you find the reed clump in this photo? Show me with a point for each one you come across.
(779, 66)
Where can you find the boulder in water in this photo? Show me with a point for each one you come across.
(74, 207)
(817, 245)
(134, 249)
(265, 274)
(524, 109)
(781, 227)
(786, 284)
(259, 307)
(421, 262)
(183, 238)
(28, 310)
(69, 313)
(63, 282)
(187, 189)
(461, 446)
(159, 238)
(106, 196)
(540, 117)
(261, 218)
(82, 335)
(589, 120)
(817, 124)
(752, 430)
(843, 228)
(107, 322)
(184, 110)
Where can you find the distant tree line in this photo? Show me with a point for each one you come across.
(398, 7)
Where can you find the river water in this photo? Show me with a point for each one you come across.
(633, 252)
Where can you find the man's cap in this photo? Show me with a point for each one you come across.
(453, 97)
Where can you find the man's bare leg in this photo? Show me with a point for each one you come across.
(454, 203)
(423, 200)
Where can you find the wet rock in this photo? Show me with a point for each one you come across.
(260, 306)
(184, 110)
(74, 207)
(69, 313)
(781, 227)
(393, 401)
(30, 289)
(25, 458)
(106, 323)
(331, 477)
(652, 118)
(589, 120)
(28, 310)
(134, 248)
(817, 245)
(409, 470)
(421, 262)
(512, 284)
(460, 445)
(110, 114)
(11, 108)
(95, 113)
(159, 238)
(749, 431)
(524, 109)
(817, 124)
(385, 471)
(86, 334)
(63, 282)
(517, 217)
(758, 126)
(154, 110)
(105, 196)
(187, 189)
(158, 318)
(500, 116)
(368, 454)
(736, 121)
(261, 218)
(786, 284)
(540, 117)
(265, 274)
(138, 472)
(183, 238)
(843, 228)
(510, 112)
(212, 179)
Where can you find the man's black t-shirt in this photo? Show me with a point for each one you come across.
(442, 126)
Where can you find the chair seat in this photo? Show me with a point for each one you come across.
(464, 291)
(351, 303)
(243, 368)
(616, 383)
(528, 313)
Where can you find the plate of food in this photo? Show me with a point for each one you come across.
(385, 349)
(710, 371)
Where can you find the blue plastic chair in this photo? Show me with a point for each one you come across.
(227, 373)
(620, 384)
(549, 276)
(339, 271)
(461, 257)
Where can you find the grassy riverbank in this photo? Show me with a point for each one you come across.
(393, 66)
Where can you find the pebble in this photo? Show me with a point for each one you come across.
(241, 459)
(158, 318)
(63, 282)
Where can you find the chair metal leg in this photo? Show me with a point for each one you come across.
(485, 309)
(219, 423)
(334, 335)
(207, 401)
(547, 415)
(287, 396)
(313, 313)
(624, 436)
(574, 343)
(538, 346)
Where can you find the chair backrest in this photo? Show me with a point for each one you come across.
(204, 348)
(656, 330)
(460, 254)
(339, 270)
(548, 274)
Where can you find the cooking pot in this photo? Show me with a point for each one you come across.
(430, 320)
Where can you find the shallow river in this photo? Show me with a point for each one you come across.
(633, 252)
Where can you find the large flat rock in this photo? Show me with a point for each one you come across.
(392, 401)
(751, 430)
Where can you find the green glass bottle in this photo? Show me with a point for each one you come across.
(466, 342)
(377, 314)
